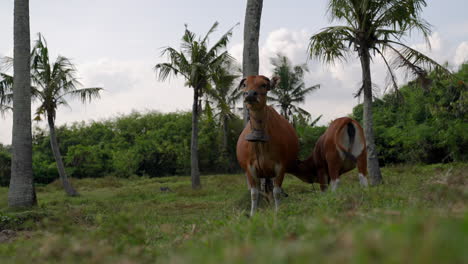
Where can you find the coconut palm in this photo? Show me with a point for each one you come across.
(375, 28)
(52, 85)
(291, 89)
(225, 94)
(196, 63)
(21, 192)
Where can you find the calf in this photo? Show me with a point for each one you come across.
(337, 151)
(268, 146)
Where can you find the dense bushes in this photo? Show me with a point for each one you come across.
(151, 144)
(424, 126)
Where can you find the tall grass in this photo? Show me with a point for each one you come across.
(418, 216)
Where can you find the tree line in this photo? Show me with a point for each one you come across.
(412, 125)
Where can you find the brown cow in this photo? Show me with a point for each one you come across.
(268, 146)
(337, 151)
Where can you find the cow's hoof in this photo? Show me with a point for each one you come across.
(257, 136)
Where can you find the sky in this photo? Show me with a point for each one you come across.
(116, 43)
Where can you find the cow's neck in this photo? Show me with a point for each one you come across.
(305, 170)
(258, 118)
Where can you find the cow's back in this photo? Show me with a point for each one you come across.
(326, 151)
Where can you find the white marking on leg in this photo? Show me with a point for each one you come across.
(334, 184)
(277, 169)
(262, 185)
(254, 196)
(277, 191)
(253, 171)
(363, 180)
(277, 195)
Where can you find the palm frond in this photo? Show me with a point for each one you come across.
(221, 43)
(85, 94)
(391, 77)
(211, 30)
(331, 44)
(291, 88)
(402, 16)
(6, 102)
(4, 109)
(164, 70)
(418, 64)
(342, 9)
(178, 64)
(315, 121)
(300, 111)
(6, 64)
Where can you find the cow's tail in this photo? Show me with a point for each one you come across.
(351, 138)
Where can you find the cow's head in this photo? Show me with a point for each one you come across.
(255, 90)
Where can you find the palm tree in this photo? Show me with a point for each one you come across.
(291, 89)
(52, 84)
(376, 26)
(21, 192)
(250, 58)
(225, 95)
(196, 63)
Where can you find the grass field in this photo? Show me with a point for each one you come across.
(420, 215)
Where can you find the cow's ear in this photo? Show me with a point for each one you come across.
(242, 84)
(274, 82)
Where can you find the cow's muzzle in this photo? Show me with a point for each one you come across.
(250, 96)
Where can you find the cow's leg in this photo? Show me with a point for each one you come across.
(334, 174)
(277, 182)
(322, 179)
(252, 180)
(362, 169)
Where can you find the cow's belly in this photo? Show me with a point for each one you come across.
(265, 169)
(347, 165)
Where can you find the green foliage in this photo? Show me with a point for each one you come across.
(5, 163)
(419, 215)
(151, 144)
(308, 136)
(291, 89)
(419, 125)
(88, 161)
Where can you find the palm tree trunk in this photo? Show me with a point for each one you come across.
(21, 192)
(372, 160)
(225, 135)
(195, 171)
(58, 159)
(250, 60)
(284, 110)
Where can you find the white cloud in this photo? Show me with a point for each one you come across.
(292, 44)
(435, 43)
(130, 85)
(461, 53)
(236, 51)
